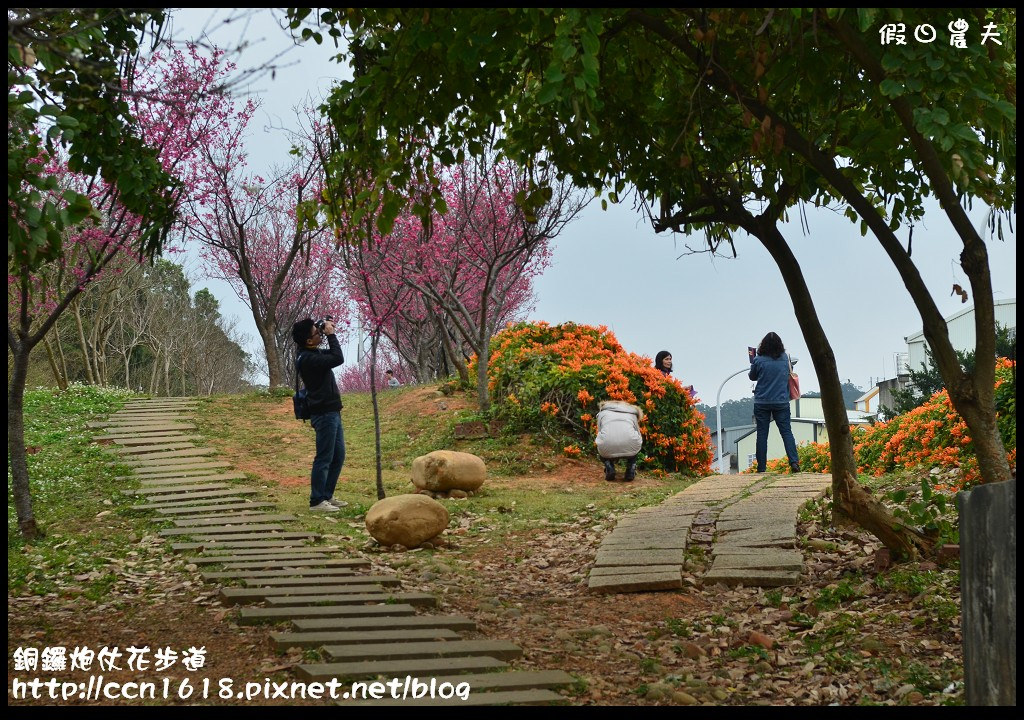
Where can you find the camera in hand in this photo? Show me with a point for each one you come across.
(320, 324)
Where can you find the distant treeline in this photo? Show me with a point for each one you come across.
(741, 412)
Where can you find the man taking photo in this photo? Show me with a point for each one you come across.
(315, 367)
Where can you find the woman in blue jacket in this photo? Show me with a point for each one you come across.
(770, 367)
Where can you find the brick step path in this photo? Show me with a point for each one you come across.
(748, 521)
(365, 625)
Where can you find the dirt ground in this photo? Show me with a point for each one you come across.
(849, 634)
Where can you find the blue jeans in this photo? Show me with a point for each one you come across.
(330, 456)
(764, 413)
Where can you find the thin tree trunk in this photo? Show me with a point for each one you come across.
(61, 380)
(155, 374)
(482, 359)
(449, 351)
(61, 357)
(16, 443)
(127, 368)
(89, 377)
(374, 339)
(850, 499)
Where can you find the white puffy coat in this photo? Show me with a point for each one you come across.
(618, 430)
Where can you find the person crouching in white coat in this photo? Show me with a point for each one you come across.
(618, 436)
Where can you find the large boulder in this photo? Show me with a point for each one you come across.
(444, 470)
(407, 520)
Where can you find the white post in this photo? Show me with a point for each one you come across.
(718, 412)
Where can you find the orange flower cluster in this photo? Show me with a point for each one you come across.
(931, 435)
(560, 373)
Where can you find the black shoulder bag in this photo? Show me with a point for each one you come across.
(300, 399)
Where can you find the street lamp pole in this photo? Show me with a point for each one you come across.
(718, 412)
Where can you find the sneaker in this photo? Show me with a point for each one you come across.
(324, 506)
(630, 472)
(336, 503)
(795, 467)
(609, 471)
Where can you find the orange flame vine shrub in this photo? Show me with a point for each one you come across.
(931, 435)
(551, 378)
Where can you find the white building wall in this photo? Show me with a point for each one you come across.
(806, 407)
(961, 331)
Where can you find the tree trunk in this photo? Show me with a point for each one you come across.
(155, 374)
(63, 384)
(850, 500)
(16, 444)
(268, 333)
(374, 340)
(973, 396)
(482, 394)
(62, 381)
(449, 351)
(89, 377)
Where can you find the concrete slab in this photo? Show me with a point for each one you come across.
(206, 510)
(500, 649)
(252, 616)
(764, 560)
(238, 596)
(427, 667)
(619, 570)
(231, 518)
(635, 582)
(283, 641)
(410, 598)
(638, 557)
(452, 622)
(309, 573)
(149, 458)
(219, 529)
(621, 543)
(211, 475)
(752, 578)
(161, 470)
(325, 580)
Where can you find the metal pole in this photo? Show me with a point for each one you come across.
(718, 413)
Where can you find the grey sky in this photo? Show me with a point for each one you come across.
(609, 268)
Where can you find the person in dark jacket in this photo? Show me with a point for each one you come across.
(315, 367)
(770, 367)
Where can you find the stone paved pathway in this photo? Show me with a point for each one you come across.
(747, 521)
(365, 624)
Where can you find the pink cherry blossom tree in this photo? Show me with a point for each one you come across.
(172, 98)
(475, 265)
(280, 265)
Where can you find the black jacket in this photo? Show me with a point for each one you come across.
(315, 371)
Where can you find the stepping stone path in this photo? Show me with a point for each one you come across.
(366, 626)
(748, 522)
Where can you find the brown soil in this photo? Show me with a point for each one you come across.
(697, 645)
(425, 401)
(158, 602)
